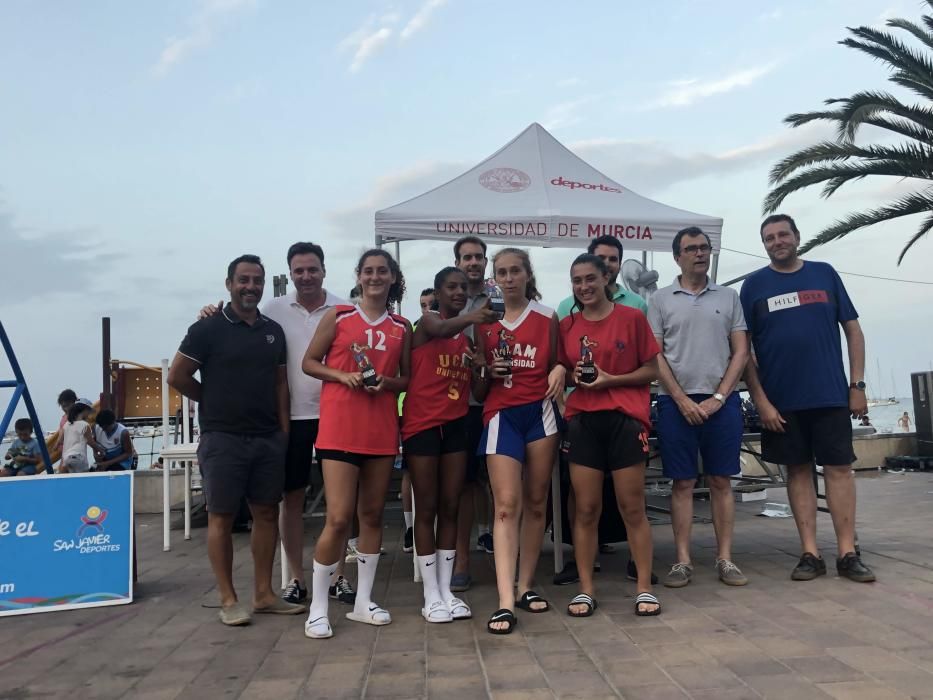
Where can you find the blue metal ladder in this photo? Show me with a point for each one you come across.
(20, 390)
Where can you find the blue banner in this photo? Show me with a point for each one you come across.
(66, 541)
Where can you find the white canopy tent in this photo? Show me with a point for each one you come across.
(535, 192)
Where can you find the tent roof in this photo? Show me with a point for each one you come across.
(535, 191)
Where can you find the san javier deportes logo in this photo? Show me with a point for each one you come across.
(90, 537)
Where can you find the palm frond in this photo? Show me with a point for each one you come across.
(898, 54)
(919, 32)
(913, 72)
(914, 203)
(824, 151)
(862, 106)
(921, 232)
(833, 164)
(918, 158)
(849, 171)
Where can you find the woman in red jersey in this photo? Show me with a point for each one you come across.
(607, 415)
(434, 438)
(361, 353)
(521, 429)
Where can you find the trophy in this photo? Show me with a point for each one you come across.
(366, 367)
(503, 352)
(588, 367)
(496, 302)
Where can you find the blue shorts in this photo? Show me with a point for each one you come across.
(511, 429)
(718, 440)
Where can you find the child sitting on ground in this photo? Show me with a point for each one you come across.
(76, 436)
(24, 453)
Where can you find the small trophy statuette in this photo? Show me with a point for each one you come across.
(366, 367)
(588, 367)
(496, 301)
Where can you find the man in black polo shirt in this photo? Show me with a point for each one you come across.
(243, 397)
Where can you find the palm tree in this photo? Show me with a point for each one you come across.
(837, 162)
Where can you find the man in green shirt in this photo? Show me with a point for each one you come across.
(610, 250)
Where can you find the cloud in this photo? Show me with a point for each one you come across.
(202, 27)
(40, 264)
(683, 93)
(369, 39)
(376, 32)
(772, 16)
(650, 166)
(421, 18)
(566, 113)
(569, 82)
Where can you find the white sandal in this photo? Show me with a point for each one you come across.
(318, 628)
(436, 612)
(373, 616)
(458, 609)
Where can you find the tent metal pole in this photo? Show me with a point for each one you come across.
(714, 267)
(378, 240)
(644, 258)
(398, 253)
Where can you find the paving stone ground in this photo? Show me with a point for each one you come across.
(774, 638)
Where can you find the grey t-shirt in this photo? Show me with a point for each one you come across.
(693, 332)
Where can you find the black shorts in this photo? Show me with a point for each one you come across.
(476, 464)
(606, 440)
(357, 459)
(235, 466)
(821, 435)
(300, 456)
(439, 440)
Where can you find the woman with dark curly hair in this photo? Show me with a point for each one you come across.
(361, 354)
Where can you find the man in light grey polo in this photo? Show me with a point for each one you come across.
(701, 330)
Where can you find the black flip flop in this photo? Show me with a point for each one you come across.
(502, 615)
(529, 597)
(582, 599)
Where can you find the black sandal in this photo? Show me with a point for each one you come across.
(529, 597)
(647, 599)
(502, 615)
(582, 599)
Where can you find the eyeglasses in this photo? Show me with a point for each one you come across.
(694, 249)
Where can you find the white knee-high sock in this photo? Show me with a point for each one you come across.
(446, 558)
(320, 582)
(365, 576)
(429, 565)
(409, 518)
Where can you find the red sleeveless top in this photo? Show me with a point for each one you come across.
(353, 420)
(439, 387)
(529, 342)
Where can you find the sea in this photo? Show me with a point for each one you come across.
(883, 419)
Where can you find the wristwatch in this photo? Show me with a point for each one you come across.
(857, 385)
(719, 397)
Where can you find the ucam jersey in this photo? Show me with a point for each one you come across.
(439, 385)
(620, 343)
(353, 420)
(528, 340)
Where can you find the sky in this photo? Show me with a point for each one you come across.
(145, 145)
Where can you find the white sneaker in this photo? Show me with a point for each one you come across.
(351, 554)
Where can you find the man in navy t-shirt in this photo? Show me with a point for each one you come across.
(797, 380)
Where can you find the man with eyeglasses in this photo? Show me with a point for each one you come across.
(701, 330)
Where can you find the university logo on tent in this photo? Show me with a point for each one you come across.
(505, 180)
